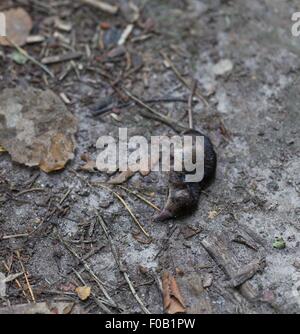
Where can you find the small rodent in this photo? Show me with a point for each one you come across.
(183, 196)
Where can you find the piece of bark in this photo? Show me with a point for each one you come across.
(217, 247)
(247, 272)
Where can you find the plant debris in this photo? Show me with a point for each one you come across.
(36, 128)
(43, 308)
(18, 26)
(173, 301)
(83, 292)
(279, 243)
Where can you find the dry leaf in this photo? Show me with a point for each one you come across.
(90, 165)
(2, 149)
(121, 178)
(18, 26)
(189, 231)
(36, 128)
(83, 292)
(173, 301)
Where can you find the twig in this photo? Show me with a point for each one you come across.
(21, 235)
(126, 33)
(190, 105)
(26, 277)
(89, 270)
(61, 58)
(26, 55)
(127, 208)
(142, 198)
(105, 7)
(120, 265)
(97, 301)
(65, 196)
(156, 115)
(104, 110)
(17, 282)
(29, 191)
(182, 79)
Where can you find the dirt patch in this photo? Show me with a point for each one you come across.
(252, 119)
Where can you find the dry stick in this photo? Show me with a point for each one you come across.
(105, 7)
(61, 58)
(99, 112)
(142, 198)
(120, 265)
(127, 208)
(26, 55)
(17, 282)
(119, 197)
(21, 235)
(26, 277)
(181, 78)
(190, 105)
(97, 301)
(156, 115)
(65, 196)
(90, 271)
(29, 191)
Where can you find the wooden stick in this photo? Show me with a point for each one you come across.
(155, 115)
(190, 105)
(120, 265)
(26, 277)
(127, 208)
(61, 58)
(182, 79)
(89, 270)
(142, 198)
(105, 7)
(33, 60)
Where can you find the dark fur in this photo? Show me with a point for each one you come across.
(183, 196)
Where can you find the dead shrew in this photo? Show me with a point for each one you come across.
(183, 196)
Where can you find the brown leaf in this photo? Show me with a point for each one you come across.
(122, 177)
(83, 292)
(173, 301)
(189, 231)
(90, 165)
(18, 26)
(36, 128)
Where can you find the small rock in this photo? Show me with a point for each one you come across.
(207, 280)
(222, 67)
(296, 264)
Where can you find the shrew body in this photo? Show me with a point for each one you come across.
(183, 196)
